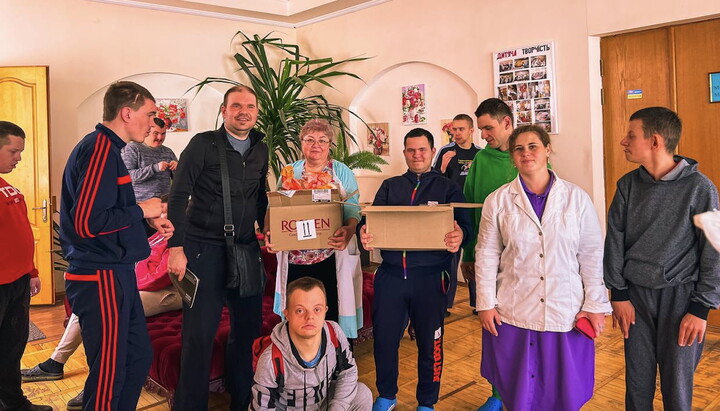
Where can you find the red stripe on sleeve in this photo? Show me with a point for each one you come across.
(90, 186)
(82, 197)
(124, 179)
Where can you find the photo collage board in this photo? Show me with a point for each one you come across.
(525, 80)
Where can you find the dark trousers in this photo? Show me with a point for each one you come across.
(452, 287)
(472, 290)
(420, 298)
(14, 328)
(652, 344)
(200, 324)
(115, 336)
(325, 272)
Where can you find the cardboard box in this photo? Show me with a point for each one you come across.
(413, 228)
(317, 220)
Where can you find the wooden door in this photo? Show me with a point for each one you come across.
(635, 61)
(697, 47)
(671, 66)
(24, 101)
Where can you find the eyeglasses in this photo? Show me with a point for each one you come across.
(321, 142)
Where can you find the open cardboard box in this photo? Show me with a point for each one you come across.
(413, 228)
(317, 213)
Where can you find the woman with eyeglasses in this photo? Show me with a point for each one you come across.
(539, 273)
(338, 265)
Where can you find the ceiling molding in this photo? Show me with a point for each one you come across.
(325, 11)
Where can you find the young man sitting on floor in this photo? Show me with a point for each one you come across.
(308, 365)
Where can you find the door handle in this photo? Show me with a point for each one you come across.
(44, 209)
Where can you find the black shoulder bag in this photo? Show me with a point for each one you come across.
(245, 270)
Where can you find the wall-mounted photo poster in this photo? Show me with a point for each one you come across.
(524, 78)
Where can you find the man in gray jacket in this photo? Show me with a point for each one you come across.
(308, 365)
(663, 274)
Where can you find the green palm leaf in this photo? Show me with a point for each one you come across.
(287, 102)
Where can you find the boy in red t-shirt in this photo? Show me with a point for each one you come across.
(18, 275)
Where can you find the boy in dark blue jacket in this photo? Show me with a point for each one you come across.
(103, 236)
(413, 284)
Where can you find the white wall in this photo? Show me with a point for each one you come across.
(88, 45)
(202, 107)
(615, 16)
(446, 95)
(460, 36)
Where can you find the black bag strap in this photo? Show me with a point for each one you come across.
(228, 228)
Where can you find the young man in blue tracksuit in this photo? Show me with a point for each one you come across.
(413, 284)
(103, 236)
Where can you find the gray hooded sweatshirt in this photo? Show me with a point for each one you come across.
(330, 385)
(651, 239)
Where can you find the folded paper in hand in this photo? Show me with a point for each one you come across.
(187, 287)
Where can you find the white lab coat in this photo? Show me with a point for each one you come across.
(540, 275)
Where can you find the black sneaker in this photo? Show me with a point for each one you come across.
(76, 403)
(36, 373)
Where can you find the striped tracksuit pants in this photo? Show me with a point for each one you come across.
(115, 336)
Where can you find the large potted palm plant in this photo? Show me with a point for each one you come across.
(287, 99)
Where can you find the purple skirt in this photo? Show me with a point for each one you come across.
(535, 371)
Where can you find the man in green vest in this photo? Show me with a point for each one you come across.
(491, 168)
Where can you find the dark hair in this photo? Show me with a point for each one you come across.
(466, 118)
(662, 121)
(238, 89)
(539, 131)
(496, 108)
(8, 129)
(124, 94)
(304, 284)
(162, 122)
(420, 132)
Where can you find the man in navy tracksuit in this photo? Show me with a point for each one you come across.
(413, 284)
(103, 236)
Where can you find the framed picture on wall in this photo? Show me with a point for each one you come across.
(524, 78)
(446, 133)
(378, 139)
(175, 110)
(413, 105)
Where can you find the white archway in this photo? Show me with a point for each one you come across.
(202, 107)
(447, 94)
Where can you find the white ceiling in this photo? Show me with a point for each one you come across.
(283, 13)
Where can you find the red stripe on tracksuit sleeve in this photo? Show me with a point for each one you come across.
(90, 186)
(82, 198)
